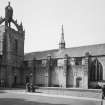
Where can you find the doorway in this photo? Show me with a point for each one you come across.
(15, 81)
(78, 82)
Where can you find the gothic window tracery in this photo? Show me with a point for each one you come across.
(96, 71)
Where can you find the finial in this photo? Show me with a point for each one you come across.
(62, 29)
(21, 24)
(62, 33)
(9, 3)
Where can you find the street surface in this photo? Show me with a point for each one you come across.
(22, 98)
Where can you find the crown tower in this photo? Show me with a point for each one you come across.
(11, 48)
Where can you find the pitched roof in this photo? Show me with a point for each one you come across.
(97, 49)
(39, 55)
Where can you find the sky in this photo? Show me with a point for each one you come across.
(83, 21)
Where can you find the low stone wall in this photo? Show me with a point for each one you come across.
(90, 93)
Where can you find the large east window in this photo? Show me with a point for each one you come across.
(96, 71)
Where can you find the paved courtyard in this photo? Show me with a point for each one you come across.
(22, 98)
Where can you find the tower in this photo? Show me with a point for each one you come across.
(62, 41)
(11, 49)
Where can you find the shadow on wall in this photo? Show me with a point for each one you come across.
(12, 101)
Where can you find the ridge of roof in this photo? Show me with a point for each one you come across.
(95, 49)
(97, 44)
(41, 51)
(66, 48)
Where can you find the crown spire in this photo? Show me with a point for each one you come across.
(62, 41)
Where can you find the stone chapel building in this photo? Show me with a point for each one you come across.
(78, 67)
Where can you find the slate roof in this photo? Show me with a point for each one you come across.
(97, 49)
(39, 55)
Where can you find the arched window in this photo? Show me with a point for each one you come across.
(100, 71)
(96, 71)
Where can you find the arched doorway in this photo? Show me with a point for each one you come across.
(78, 82)
(15, 79)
